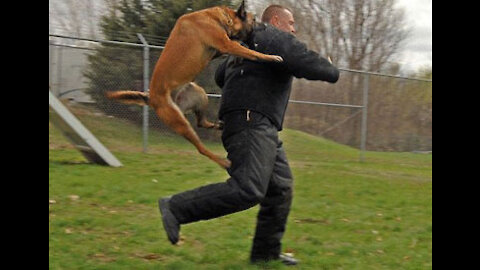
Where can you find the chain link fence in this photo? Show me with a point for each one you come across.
(364, 110)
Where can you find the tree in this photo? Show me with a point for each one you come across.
(153, 18)
(79, 18)
(357, 34)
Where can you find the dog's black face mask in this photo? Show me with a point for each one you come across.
(242, 12)
(248, 22)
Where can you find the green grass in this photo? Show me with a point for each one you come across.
(345, 214)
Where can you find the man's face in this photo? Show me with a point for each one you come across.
(284, 21)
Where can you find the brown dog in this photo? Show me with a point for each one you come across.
(195, 39)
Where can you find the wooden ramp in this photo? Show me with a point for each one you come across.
(79, 135)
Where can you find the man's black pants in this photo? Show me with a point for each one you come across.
(260, 174)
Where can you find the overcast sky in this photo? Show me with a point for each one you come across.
(418, 49)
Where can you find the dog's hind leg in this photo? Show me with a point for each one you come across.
(192, 97)
(202, 119)
(173, 117)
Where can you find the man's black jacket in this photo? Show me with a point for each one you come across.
(265, 86)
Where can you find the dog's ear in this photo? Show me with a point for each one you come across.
(241, 12)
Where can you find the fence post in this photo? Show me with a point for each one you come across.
(363, 140)
(50, 64)
(59, 61)
(146, 77)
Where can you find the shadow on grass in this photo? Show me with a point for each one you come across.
(69, 162)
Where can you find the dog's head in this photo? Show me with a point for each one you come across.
(243, 23)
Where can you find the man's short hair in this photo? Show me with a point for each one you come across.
(271, 11)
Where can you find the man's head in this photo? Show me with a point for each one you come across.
(280, 17)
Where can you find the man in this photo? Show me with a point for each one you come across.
(254, 100)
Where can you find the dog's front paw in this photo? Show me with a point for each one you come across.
(274, 58)
(225, 163)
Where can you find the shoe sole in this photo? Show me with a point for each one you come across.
(164, 211)
(285, 260)
(288, 260)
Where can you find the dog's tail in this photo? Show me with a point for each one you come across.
(129, 97)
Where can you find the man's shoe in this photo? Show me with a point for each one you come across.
(286, 259)
(170, 223)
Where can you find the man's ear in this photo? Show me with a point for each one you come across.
(241, 12)
(274, 20)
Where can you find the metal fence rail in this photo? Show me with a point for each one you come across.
(320, 103)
